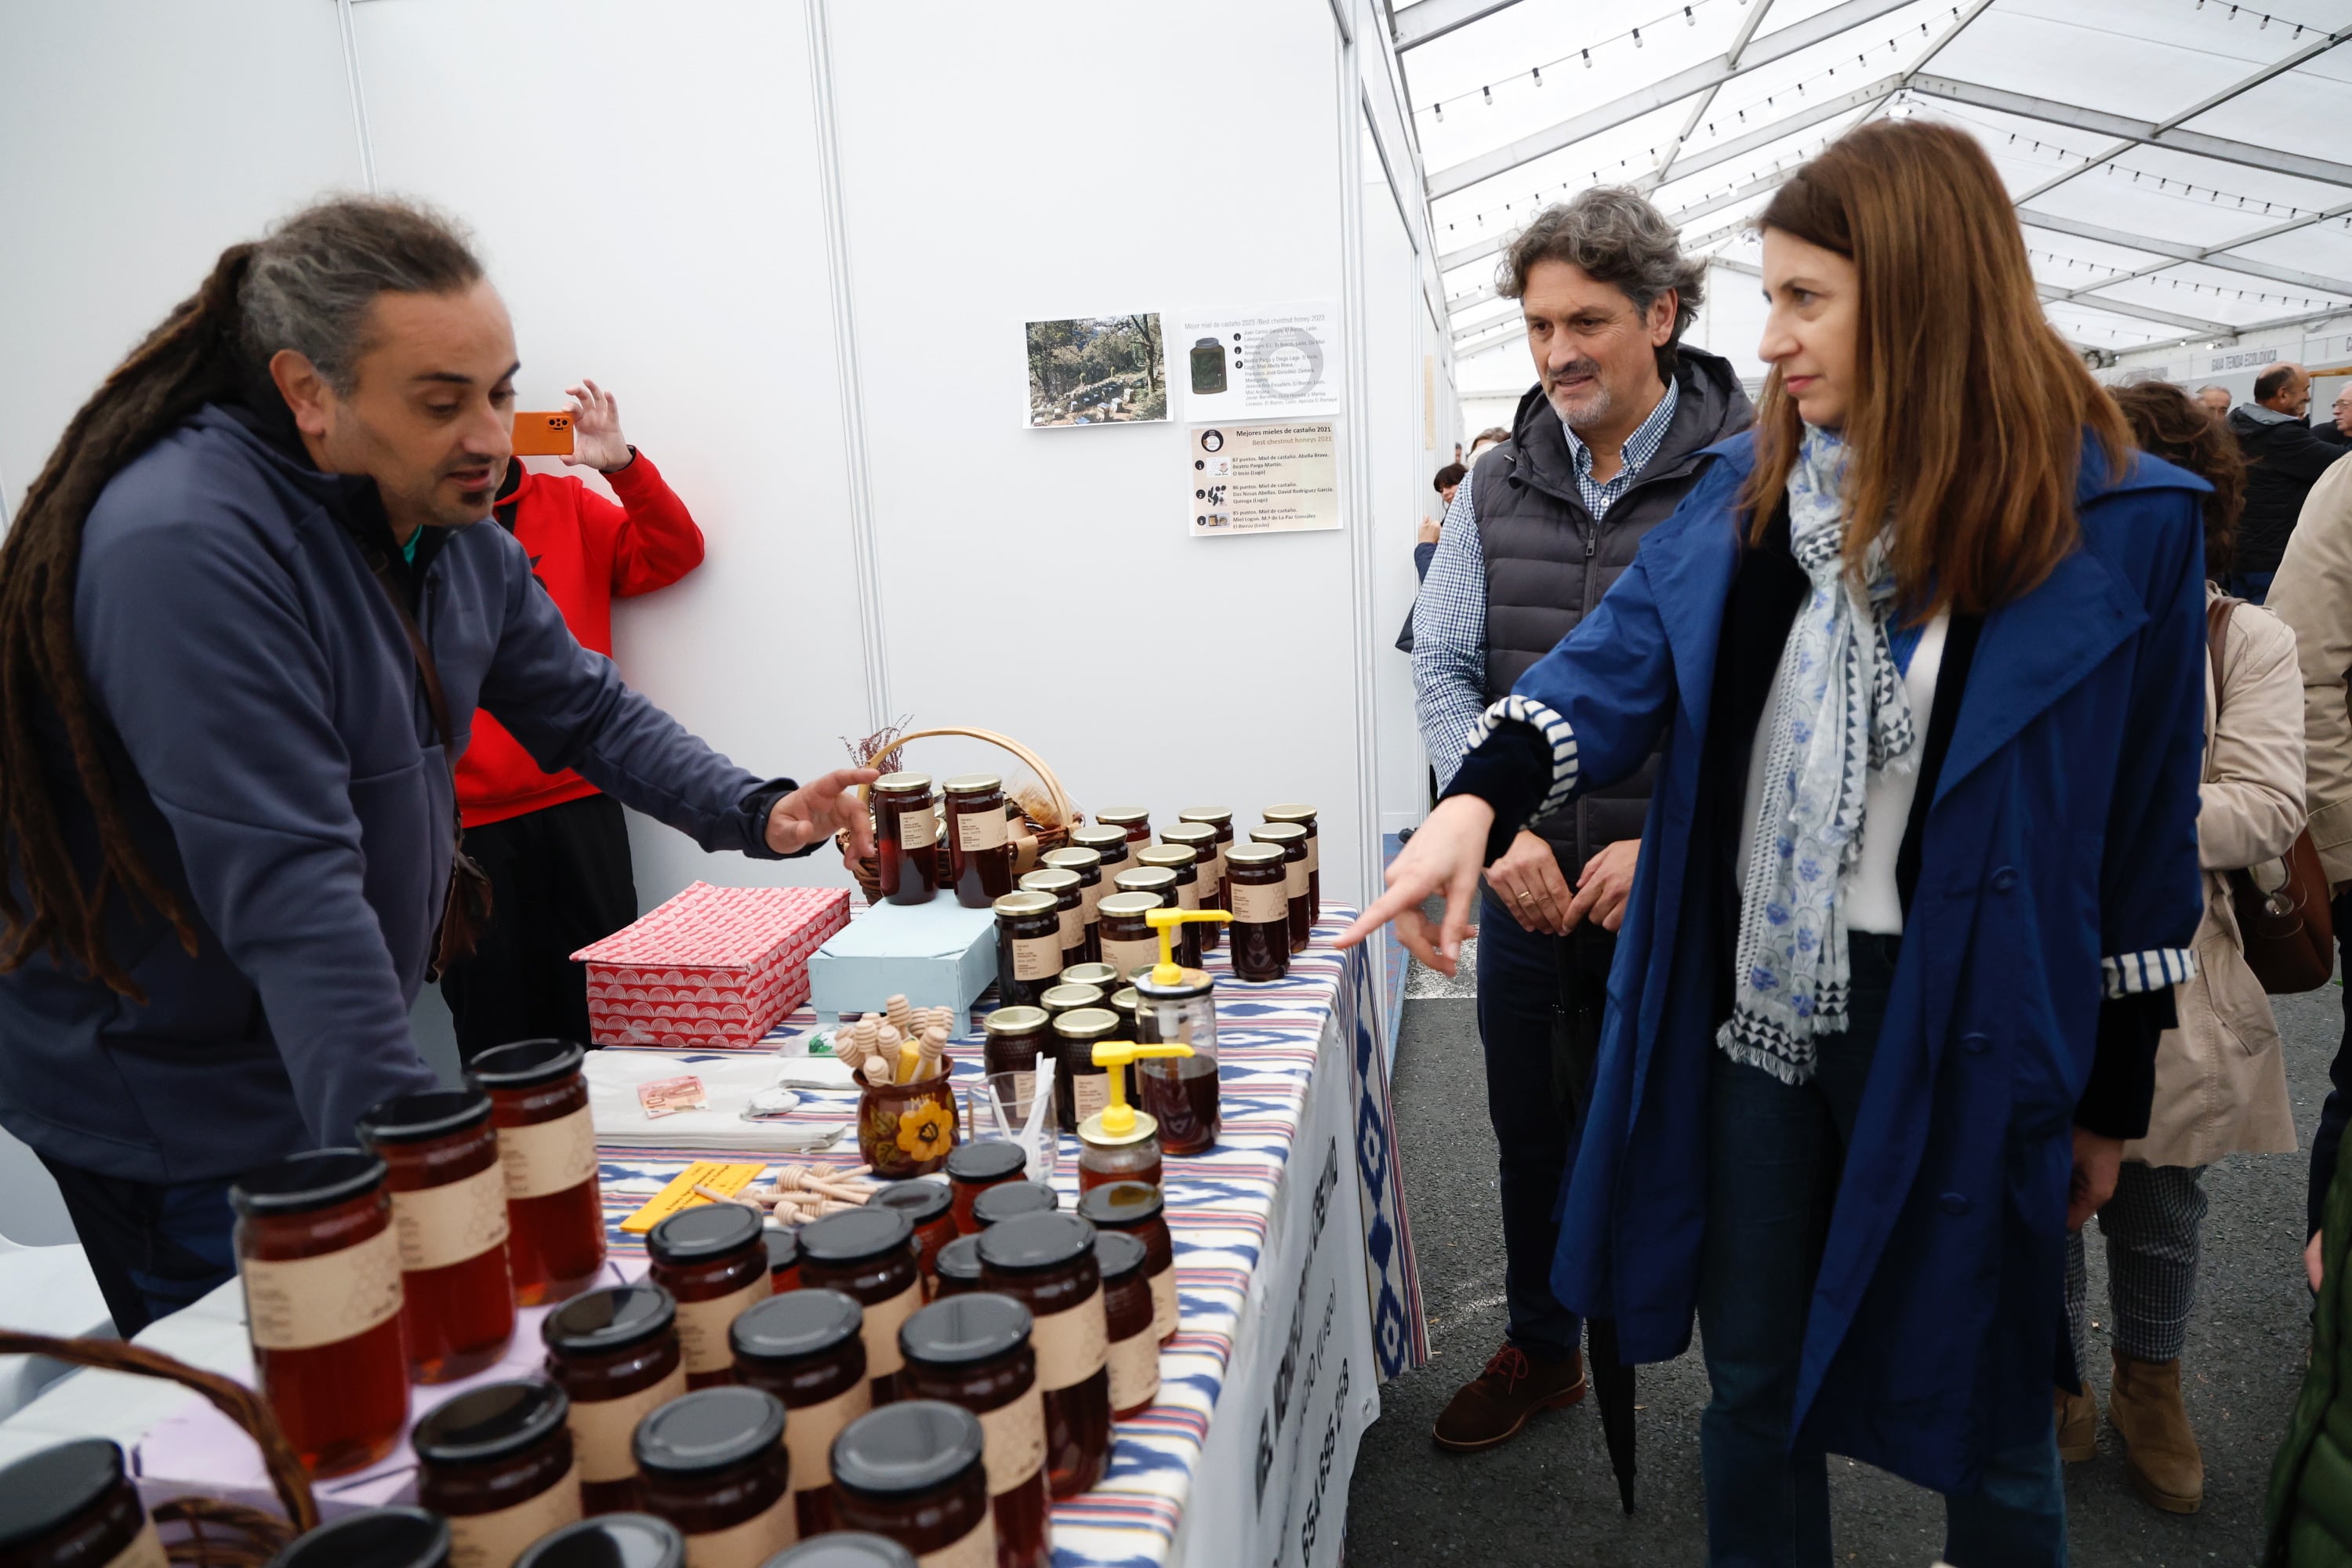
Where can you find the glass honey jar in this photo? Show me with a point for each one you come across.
(1218, 820)
(974, 1168)
(321, 1265)
(808, 1349)
(497, 1463)
(979, 839)
(615, 1353)
(905, 838)
(615, 1541)
(1087, 867)
(1180, 1092)
(547, 1148)
(1123, 1004)
(1080, 1086)
(974, 1352)
(1016, 1036)
(1010, 1200)
(1256, 888)
(74, 1506)
(1181, 859)
(846, 1549)
(1134, 821)
(1138, 1209)
(1111, 844)
(930, 1208)
(960, 1266)
(1047, 1262)
(868, 1254)
(1303, 816)
(784, 1259)
(917, 1474)
(1208, 870)
(1291, 840)
(1028, 947)
(1069, 908)
(1099, 976)
(399, 1537)
(714, 1465)
(1133, 1358)
(1069, 997)
(1129, 942)
(713, 1261)
(449, 1212)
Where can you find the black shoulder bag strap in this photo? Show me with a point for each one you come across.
(466, 907)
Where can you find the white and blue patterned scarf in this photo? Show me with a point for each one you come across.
(1840, 714)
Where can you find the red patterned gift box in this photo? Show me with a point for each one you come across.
(713, 968)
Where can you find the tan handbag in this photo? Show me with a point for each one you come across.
(2283, 920)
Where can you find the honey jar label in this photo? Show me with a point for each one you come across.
(1074, 927)
(979, 830)
(750, 1544)
(1188, 895)
(1294, 878)
(1163, 1303)
(1211, 875)
(1089, 900)
(548, 1156)
(919, 829)
(448, 1224)
(145, 1551)
(1315, 852)
(1260, 905)
(1015, 1435)
(1091, 1092)
(702, 1326)
(601, 1429)
(1038, 957)
(976, 1549)
(298, 1303)
(1127, 957)
(882, 1320)
(1072, 1345)
(495, 1540)
(1134, 1371)
(810, 1430)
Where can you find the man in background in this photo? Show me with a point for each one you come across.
(2336, 428)
(2283, 457)
(1601, 450)
(556, 848)
(2214, 400)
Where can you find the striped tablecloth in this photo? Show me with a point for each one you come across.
(1220, 1207)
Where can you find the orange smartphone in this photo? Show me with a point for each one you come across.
(542, 434)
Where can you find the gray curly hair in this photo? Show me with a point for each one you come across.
(311, 284)
(1615, 237)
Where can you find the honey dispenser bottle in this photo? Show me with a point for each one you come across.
(1119, 1143)
(1176, 1005)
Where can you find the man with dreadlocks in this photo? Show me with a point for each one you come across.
(248, 613)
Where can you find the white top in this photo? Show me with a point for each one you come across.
(1871, 901)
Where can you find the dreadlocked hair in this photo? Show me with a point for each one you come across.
(308, 287)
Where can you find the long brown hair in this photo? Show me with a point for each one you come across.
(308, 287)
(1969, 411)
(2164, 421)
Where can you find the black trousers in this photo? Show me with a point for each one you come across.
(1541, 1001)
(155, 1248)
(559, 878)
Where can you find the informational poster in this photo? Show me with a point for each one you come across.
(1279, 478)
(1275, 362)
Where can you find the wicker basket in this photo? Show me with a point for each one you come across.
(212, 1534)
(869, 875)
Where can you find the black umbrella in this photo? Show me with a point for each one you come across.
(1613, 1386)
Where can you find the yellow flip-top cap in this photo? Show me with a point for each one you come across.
(1168, 971)
(1118, 1117)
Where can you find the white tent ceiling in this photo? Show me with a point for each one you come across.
(2182, 167)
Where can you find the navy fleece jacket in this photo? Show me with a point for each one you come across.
(277, 761)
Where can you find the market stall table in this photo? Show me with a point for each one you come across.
(1293, 1273)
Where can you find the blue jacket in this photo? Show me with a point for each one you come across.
(275, 761)
(2060, 857)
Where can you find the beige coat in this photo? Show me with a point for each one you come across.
(2313, 595)
(2220, 1078)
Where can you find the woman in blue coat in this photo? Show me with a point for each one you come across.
(1925, 653)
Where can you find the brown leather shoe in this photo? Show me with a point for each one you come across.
(2144, 1405)
(2078, 1423)
(1491, 1407)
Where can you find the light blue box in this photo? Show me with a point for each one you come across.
(938, 954)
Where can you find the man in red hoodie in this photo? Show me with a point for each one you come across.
(556, 848)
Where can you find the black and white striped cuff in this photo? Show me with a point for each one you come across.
(2129, 973)
(1556, 733)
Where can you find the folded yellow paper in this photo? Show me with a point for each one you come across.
(680, 1194)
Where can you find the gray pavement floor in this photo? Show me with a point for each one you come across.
(1549, 1497)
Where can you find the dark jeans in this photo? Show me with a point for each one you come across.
(156, 1248)
(559, 878)
(2337, 1109)
(1775, 1154)
(1536, 1108)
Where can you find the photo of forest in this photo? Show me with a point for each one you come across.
(1097, 370)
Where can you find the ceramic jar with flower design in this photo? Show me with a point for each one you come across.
(906, 1129)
